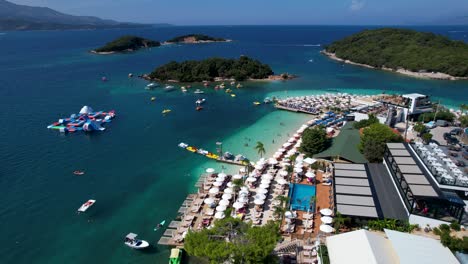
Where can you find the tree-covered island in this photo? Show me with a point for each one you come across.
(126, 44)
(210, 69)
(195, 38)
(405, 51)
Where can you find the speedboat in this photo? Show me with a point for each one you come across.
(169, 88)
(228, 155)
(198, 91)
(133, 242)
(176, 256)
(256, 103)
(200, 101)
(233, 95)
(184, 90)
(153, 98)
(267, 100)
(165, 111)
(86, 205)
(183, 145)
(198, 108)
(151, 86)
(78, 172)
(239, 85)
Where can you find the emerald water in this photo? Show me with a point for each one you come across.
(134, 169)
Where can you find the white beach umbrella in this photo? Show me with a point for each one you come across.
(282, 181)
(310, 174)
(281, 150)
(262, 191)
(222, 174)
(326, 228)
(266, 181)
(227, 196)
(219, 215)
(209, 200)
(220, 208)
(242, 170)
(310, 161)
(238, 205)
(272, 161)
(260, 196)
(326, 211)
(243, 199)
(267, 176)
(210, 170)
(299, 165)
(220, 179)
(297, 170)
(217, 184)
(224, 202)
(214, 190)
(288, 214)
(258, 167)
(326, 219)
(286, 145)
(296, 135)
(228, 190)
(251, 179)
(291, 140)
(259, 202)
(230, 184)
(284, 164)
(244, 188)
(264, 186)
(237, 176)
(283, 173)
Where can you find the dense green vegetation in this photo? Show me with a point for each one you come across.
(392, 224)
(208, 69)
(127, 43)
(373, 140)
(234, 240)
(452, 242)
(403, 48)
(314, 140)
(197, 37)
(366, 122)
(441, 114)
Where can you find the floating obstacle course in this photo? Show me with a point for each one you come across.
(86, 120)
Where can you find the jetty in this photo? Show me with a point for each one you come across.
(238, 160)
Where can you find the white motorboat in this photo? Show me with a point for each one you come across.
(200, 101)
(133, 242)
(151, 86)
(183, 145)
(169, 88)
(198, 91)
(184, 90)
(86, 205)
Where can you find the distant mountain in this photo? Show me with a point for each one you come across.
(21, 17)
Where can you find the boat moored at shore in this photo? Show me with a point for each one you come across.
(132, 242)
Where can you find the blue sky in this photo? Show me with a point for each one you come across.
(263, 12)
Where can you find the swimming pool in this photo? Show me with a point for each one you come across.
(300, 196)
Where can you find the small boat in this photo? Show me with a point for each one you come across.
(189, 86)
(169, 88)
(176, 256)
(206, 84)
(200, 101)
(267, 100)
(131, 241)
(78, 172)
(130, 75)
(160, 225)
(153, 98)
(192, 149)
(233, 83)
(165, 111)
(239, 85)
(198, 108)
(228, 155)
(233, 95)
(257, 103)
(183, 145)
(198, 91)
(184, 90)
(86, 206)
(151, 86)
(104, 78)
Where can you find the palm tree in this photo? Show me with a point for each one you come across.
(260, 148)
(279, 212)
(237, 184)
(283, 199)
(339, 221)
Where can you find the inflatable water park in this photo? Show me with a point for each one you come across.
(86, 120)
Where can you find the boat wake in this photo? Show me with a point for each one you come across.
(311, 45)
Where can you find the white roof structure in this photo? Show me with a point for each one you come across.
(362, 246)
(413, 96)
(412, 249)
(359, 247)
(86, 110)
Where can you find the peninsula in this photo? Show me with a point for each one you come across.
(126, 44)
(194, 39)
(211, 69)
(409, 52)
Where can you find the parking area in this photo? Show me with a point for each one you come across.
(438, 134)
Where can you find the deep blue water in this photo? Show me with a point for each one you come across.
(134, 169)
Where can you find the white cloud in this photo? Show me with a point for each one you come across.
(357, 5)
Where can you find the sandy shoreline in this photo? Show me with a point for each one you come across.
(423, 75)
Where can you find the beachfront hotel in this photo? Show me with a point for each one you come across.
(408, 186)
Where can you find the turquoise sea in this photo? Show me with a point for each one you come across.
(134, 169)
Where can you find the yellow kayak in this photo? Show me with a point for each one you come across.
(165, 111)
(256, 103)
(191, 149)
(233, 95)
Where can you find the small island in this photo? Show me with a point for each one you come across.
(409, 52)
(194, 39)
(217, 69)
(126, 44)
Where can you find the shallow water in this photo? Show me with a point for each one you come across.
(134, 169)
